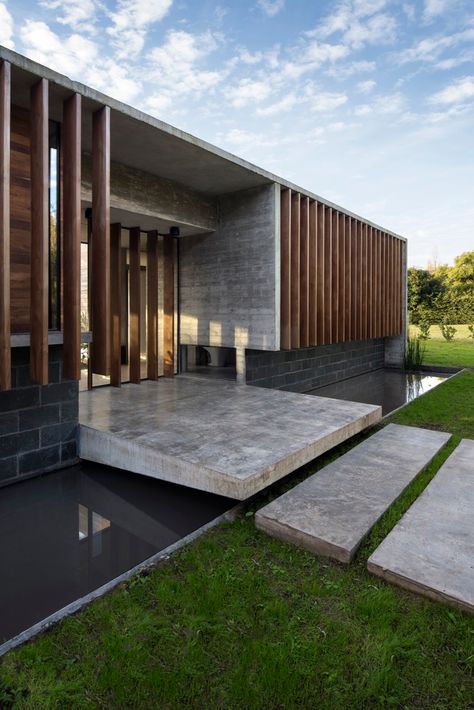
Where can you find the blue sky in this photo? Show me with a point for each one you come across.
(369, 103)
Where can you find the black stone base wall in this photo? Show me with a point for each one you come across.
(306, 368)
(38, 424)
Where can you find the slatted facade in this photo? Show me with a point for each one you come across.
(341, 278)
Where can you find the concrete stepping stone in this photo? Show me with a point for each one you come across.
(431, 550)
(333, 510)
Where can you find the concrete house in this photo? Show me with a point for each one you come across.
(132, 251)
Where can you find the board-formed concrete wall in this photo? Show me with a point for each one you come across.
(229, 280)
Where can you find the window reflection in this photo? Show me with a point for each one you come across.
(89, 520)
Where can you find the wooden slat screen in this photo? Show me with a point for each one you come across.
(341, 278)
(5, 321)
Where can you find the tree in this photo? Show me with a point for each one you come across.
(461, 275)
(423, 291)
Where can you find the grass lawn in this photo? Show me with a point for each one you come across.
(456, 353)
(239, 620)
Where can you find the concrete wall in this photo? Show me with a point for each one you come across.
(229, 280)
(149, 195)
(38, 424)
(306, 368)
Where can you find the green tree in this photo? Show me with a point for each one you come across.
(461, 275)
(423, 291)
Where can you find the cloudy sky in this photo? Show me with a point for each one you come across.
(369, 103)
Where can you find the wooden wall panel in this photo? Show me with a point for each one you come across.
(100, 246)
(328, 254)
(347, 294)
(364, 275)
(304, 272)
(5, 320)
(116, 271)
(355, 249)
(335, 269)
(71, 233)
(321, 272)
(39, 232)
(152, 305)
(313, 270)
(285, 249)
(168, 305)
(135, 303)
(20, 220)
(295, 270)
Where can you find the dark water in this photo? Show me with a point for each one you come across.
(389, 388)
(68, 533)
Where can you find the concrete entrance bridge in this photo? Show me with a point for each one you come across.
(225, 438)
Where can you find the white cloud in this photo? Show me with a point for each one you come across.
(71, 55)
(325, 100)
(345, 71)
(433, 8)
(248, 91)
(366, 87)
(460, 91)
(360, 22)
(285, 104)
(6, 27)
(429, 49)
(175, 66)
(320, 52)
(271, 7)
(130, 23)
(78, 15)
(383, 105)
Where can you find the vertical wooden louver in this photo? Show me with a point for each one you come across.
(5, 328)
(341, 278)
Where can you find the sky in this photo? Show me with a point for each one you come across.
(368, 103)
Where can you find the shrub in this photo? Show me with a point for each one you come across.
(414, 353)
(447, 331)
(424, 326)
(471, 330)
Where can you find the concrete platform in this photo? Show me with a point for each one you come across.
(431, 550)
(229, 439)
(332, 511)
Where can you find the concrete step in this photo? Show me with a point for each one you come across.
(332, 511)
(431, 550)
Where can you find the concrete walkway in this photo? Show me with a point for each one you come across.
(229, 439)
(431, 549)
(332, 511)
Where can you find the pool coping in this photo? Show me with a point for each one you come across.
(78, 604)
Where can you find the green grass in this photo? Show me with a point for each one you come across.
(456, 353)
(239, 620)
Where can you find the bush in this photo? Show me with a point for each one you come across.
(424, 326)
(447, 331)
(414, 353)
(471, 331)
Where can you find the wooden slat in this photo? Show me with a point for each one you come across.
(5, 318)
(313, 272)
(116, 304)
(347, 279)
(335, 273)
(285, 258)
(364, 275)
(295, 270)
(320, 307)
(304, 271)
(100, 276)
(380, 283)
(390, 285)
(328, 223)
(152, 304)
(168, 306)
(355, 248)
(39, 231)
(71, 251)
(135, 304)
(371, 282)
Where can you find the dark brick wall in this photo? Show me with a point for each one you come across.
(38, 425)
(306, 368)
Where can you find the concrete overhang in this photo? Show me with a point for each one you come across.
(143, 142)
